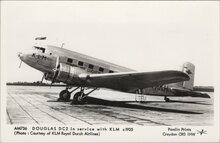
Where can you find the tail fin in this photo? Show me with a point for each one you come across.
(189, 69)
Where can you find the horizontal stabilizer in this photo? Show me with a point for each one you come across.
(184, 92)
(40, 38)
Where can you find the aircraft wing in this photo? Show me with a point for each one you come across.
(132, 81)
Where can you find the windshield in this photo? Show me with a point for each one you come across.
(39, 49)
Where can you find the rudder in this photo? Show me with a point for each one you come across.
(189, 69)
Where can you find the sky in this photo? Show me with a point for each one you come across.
(142, 35)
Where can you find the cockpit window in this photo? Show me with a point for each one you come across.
(40, 49)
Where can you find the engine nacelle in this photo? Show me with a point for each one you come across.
(68, 74)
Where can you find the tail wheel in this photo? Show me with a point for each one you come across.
(78, 98)
(167, 99)
(64, 95)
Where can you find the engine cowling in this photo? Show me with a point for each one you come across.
(66, 73)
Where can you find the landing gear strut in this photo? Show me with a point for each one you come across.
(166, 99)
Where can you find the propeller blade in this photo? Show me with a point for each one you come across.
(57, 62)
(20, 64)
(51, 84)
(54, 77)
(56, 70)
(43, 77)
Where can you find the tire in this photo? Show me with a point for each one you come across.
(77, 98)
(64, 95)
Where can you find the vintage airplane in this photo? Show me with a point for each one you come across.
(82, 71)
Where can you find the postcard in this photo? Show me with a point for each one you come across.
(110, 71)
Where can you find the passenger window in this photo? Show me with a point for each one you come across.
(101, 69)
(80, 63)
(69, 60)
(91, 66)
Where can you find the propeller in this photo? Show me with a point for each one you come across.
(56, 70)
(20, 64)
(43, 78)
(20, 56)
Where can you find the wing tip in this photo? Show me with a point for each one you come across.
(183, 75)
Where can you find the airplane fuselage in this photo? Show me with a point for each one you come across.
(44, 58)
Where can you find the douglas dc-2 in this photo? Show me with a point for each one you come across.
(82, 71)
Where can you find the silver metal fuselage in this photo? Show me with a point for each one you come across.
(44, 58)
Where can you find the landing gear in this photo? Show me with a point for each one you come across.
(166, 99)
(64, 95)
(80, 97)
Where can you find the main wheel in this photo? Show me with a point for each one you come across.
(78, 99)
(64, 95)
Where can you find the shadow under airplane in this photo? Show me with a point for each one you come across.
(125, 104)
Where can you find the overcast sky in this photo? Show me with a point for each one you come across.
(144, 36)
